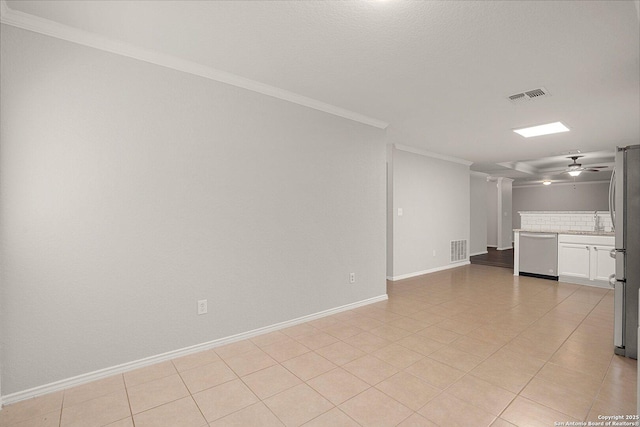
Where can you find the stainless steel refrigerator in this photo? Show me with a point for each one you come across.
(624, 205)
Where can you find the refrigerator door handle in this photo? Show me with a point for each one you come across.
(618, 198)
(612, 281)
(612, 197)
(620, 255)
(619, 315)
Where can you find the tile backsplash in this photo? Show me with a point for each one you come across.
(564, 221)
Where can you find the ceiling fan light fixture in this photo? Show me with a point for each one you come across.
(547, 129)
(574, 173)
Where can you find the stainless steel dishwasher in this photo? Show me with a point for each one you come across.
(539, 255)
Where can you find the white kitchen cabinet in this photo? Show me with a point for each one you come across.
(573, 260)
(602, 265)
(584, 259)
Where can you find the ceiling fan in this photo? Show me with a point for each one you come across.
(575, 169)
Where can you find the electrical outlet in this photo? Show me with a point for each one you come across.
(352, 277)
(202, 306)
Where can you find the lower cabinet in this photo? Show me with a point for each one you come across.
(585, 259)
(602, 265)
(574, 260)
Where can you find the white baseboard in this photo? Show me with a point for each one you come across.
(505, 248)
(584, 282)
(431, 270)
(492, 246)
(136, 364)
(480, 253)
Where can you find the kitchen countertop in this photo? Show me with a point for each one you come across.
(581, 232)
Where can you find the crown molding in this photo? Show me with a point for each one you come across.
(426, 153)
(555, 184)
(50, 28)
(479, 174)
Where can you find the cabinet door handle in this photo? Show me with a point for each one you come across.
(587, 247)
(595, 248)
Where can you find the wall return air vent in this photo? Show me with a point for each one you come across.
(458, 250)
(529, 95)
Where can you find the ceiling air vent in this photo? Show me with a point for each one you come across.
(535, 93)
(528, 95)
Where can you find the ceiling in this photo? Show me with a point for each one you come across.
(553, 168)
(438, 72)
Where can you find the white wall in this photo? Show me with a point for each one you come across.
(389, 211)
(581, 196)
(505, 235)
(434, 196)
(129, 191)
(478, 213)
(492, 214)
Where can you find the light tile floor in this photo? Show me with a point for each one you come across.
(472, 346)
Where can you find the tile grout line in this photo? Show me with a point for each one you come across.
(246, 385)
(189, 391)
(406, 294)
(335, 406)
(126, 390)
(238, 377)
(601, 384)
(64, 393)
(500, 348)
(159, 405)
(548, 360)
(468, 373)
(550, 357)
(258, 397)
(441, 391)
